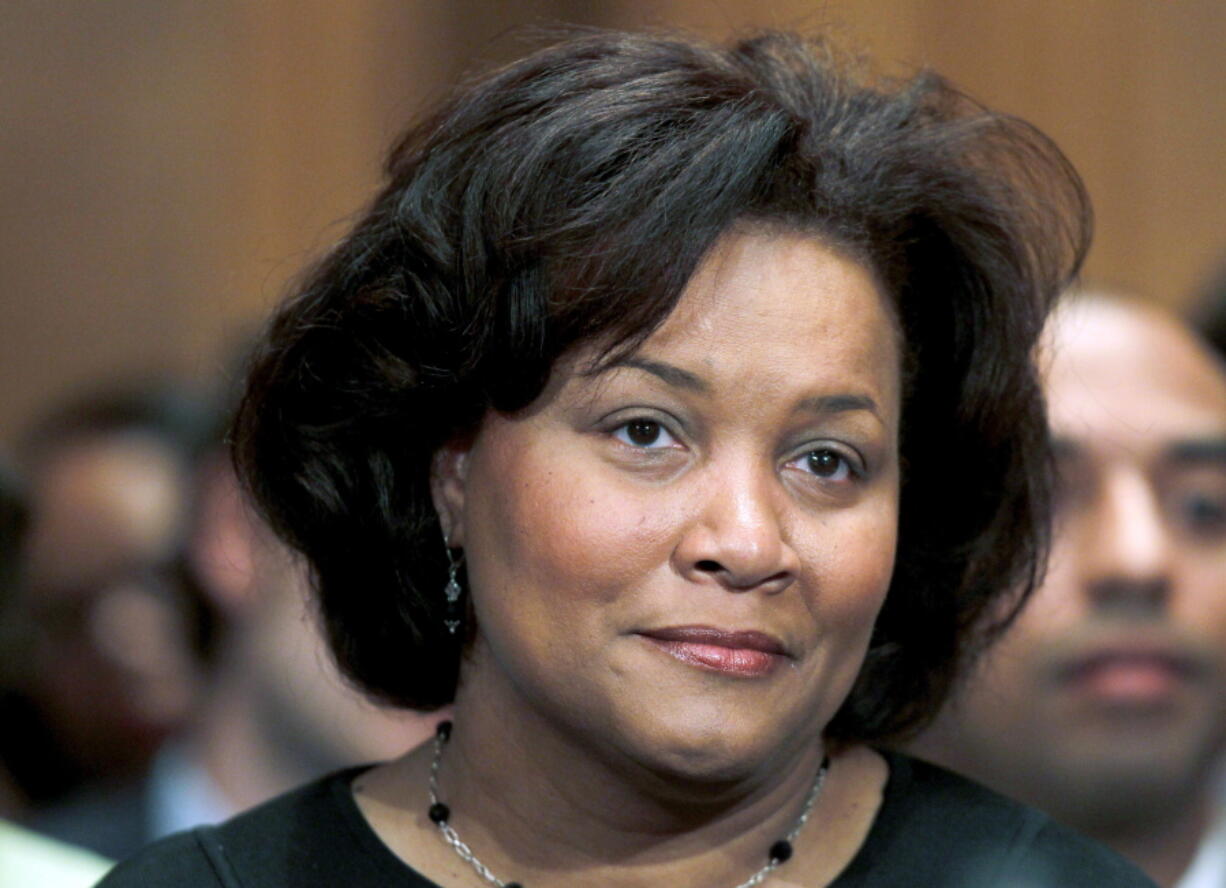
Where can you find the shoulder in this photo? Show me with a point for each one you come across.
(179, 860)
(936, 828)
(312, 836)
(109, 819)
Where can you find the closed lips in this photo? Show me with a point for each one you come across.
(747, 640)
(1106, 658)
(746, 654)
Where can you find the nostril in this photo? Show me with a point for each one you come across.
(1122, 594)
(709, 566)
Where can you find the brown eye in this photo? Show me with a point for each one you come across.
(1203, 514)
(828, 464)
(642, 432)
(646, 434)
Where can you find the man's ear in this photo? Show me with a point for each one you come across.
(221, 548)
(448, 479)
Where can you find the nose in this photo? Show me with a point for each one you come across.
(737, 537)
(1127, 546)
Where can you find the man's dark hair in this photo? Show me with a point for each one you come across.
(566, 200)
(169, 411)
(1209, 311)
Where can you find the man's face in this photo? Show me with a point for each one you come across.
(109, 663)
(1110, 690)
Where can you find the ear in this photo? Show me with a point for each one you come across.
(221, 547)
(448, 481)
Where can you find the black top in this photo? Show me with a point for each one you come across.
(934, 829)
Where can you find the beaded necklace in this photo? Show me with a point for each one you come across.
(440, 814)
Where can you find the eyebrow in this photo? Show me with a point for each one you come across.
(1065, 448)
(1192, 452)
(674, 376)
(1209, 450)
(840, 404)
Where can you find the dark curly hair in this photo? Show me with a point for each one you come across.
(565, 200)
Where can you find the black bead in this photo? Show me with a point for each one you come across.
(443, 729)
(439, 812)
(512, 885)
(781, 851)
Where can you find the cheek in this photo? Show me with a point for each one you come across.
(1198, 603)
(849, 562)
(854, 555)
(1060, 603)
(851, 596)
(553, 544)
(1020, 658)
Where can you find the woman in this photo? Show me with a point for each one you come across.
(670, 411)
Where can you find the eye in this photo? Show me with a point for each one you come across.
(1203, 514)
(1072, 485)
(645, 434)
(1194, 501)
(828, 464)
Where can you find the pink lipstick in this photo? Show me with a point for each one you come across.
(748, 654)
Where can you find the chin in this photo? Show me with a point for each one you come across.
(713, 752)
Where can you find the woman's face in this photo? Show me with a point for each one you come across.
(682, 556)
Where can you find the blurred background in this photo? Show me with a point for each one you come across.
(167, 165)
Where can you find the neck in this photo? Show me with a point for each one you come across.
(237, 753)
(255, 746)
(538, 806)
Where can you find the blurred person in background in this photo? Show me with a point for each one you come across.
(13, 520)
(1105, 703)
(271, 710)
(101, 667)
(1209, 310)
(275, 711)
(27, 859)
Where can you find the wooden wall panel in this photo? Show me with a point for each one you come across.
(107, 194)
(1131, 89)
(166, 165)
(1128, 89)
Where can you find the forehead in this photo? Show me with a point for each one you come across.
(768, 305)
(1131, 379)
(103, 502)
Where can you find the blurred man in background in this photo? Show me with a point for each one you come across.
(13, 521)
(1209, 310)
(269, 711)
(275, 712)
(27, 859)
(100, 667)
(1105, 703)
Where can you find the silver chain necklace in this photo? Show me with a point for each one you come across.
(440, 814)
